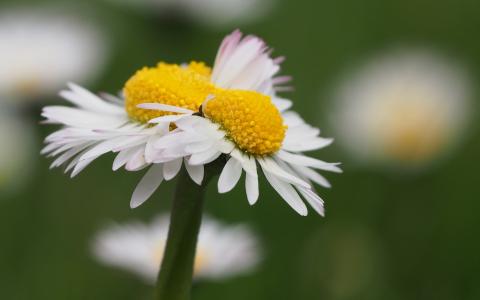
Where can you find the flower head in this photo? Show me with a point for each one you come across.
(222, 251)
(41, 50)
(246, 121)
(191, 114)
(406, 108)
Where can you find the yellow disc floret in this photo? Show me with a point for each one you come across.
(250, 120)
(186, 86)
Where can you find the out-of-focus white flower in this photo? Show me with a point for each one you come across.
(214, 13)
(405, 108)
(41, 50)
(222, 251)
(16, 152)
(224, 12)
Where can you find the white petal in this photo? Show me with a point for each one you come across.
(301, 132)
(205, 157)
(150, 152)
(48, 148)
(171, 139)
(208, 129)
(175, 151)
(102, 148)
(225, 146)
(166, 119)
(282, 104)
(67, 155)
(248, 162)
(312, 175)
(171, 168)
(131, 141)
(268, 165)
(288, 193)
(190, 122)
(199, 146)
(314, 200)
(81, 165)
(302, 160)
(122, 158)
(147, 185)
(195, 172)
(236, 58)
(81, 118)
(306, 144)
(136, 161)
(89, 101)
(165, 107)
(292, 119)
(251, 187)
(230, 175)
(72, 163)
(69, 145)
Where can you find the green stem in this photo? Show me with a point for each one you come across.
(175, 276)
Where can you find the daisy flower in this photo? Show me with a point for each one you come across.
(173, 114)
(223, 251)
(405, 108)
(41, 50)
(243, 118)
(212, 13)
(16, 155)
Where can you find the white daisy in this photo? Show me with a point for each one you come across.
(41, 50)
(16, 154)
(212, 13)
(405, 108)
(245, 120)
(140, 126)
(222, 251)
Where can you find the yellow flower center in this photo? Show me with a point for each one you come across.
(185, 86)
(250, 120)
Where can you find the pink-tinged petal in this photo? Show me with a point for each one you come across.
(246, 63)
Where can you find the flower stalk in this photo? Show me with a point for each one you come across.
(175, 277)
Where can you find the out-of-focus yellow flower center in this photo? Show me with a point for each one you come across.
(250, 120)
(28, 85)
(412, 134)
(185, 86)
(201, 258)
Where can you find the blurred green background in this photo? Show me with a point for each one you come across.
(385, 236)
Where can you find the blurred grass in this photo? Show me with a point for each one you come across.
(385, 236)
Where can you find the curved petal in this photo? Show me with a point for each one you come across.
(268, 165)
(251, 187)
(314, 200)
(230, 175)
(171, 168)
(288, 193)
(195, 172)
(147, 185)
(302, 160)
